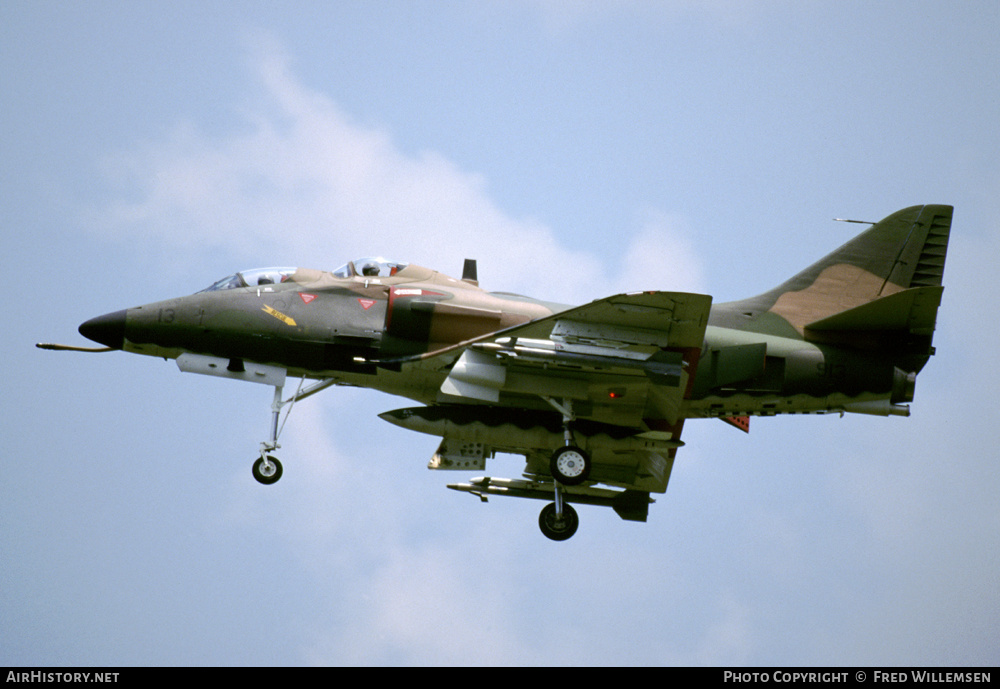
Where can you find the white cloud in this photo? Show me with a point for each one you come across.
(305, 184)
(661, 256)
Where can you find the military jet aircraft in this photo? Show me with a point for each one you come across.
(593, 396)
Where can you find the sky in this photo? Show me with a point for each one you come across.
(576, 149)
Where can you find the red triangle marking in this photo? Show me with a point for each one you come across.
(366, 303)
(307, 297)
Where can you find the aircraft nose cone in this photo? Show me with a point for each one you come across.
(108, 330)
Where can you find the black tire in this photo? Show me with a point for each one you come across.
(267, 478)
(570, 465)
(558, 528)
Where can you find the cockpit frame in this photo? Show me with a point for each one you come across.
(369, 267)
(252, 278)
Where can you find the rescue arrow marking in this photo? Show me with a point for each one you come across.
(287, 320)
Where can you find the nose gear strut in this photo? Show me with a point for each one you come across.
(267, 469)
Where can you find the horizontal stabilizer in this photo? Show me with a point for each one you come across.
(913, 310)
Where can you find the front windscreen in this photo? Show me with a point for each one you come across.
(252, 278)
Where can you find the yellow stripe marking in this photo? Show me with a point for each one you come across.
(287, 320)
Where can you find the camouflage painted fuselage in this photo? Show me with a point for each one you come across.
(319, 325)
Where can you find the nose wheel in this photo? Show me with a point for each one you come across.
(267, 470)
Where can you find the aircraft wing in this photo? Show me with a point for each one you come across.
(631, 339)
(666, 319)
(623, 365)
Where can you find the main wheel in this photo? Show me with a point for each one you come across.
(555, 527)
(269, 472)
(570, 465)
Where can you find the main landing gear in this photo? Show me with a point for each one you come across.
(569, 466)
(558, 523)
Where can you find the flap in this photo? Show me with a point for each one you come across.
(662, 319)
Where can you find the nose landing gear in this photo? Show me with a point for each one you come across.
(267, 469)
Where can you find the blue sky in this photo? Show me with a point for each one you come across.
(575, 149)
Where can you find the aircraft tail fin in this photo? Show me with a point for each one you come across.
(884, 282)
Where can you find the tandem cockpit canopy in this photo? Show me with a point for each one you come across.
(368, 268)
